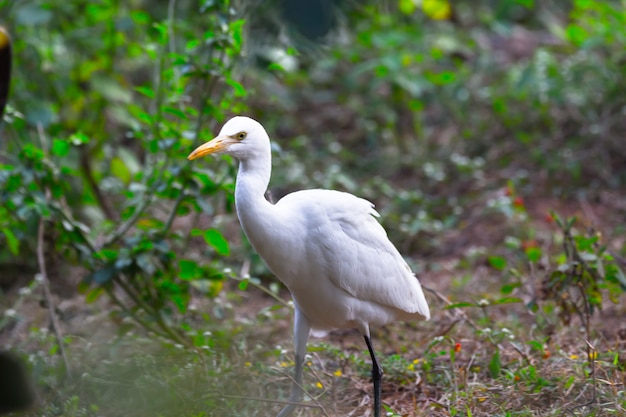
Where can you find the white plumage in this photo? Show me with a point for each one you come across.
(326, 247)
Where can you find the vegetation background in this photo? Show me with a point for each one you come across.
(489, 134)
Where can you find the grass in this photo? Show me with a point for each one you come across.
(135, 376)
(482, 358)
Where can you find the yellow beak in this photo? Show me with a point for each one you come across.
(217, 145)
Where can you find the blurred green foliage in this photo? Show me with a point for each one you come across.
(520, 84)
(108, 99)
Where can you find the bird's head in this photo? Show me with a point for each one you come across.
(241, 137)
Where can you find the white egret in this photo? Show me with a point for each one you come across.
(325, 246)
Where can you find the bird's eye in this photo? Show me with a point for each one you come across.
(241, 135)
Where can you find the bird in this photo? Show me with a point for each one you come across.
(326, 246)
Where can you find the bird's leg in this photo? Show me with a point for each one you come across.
(296, 389)
(377, 376)
(301, 328)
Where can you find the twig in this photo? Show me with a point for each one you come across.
(244, 275)
(522, 354)
(67, 216)
(468, 367)
(591, 351)
(591, 355)
(450, 327)
(265, 290)
(620, 260)
(85, 167)
(131, 313)
(172, 215)
(48, 294)
(115, 236)
(172, 334)
(41, 260)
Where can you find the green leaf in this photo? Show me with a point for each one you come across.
(78, 139)
(146, 91)
(146, 262)
(180, 300)
(174, 111)
(188, 270)
(140, 17)
(130, 160)
(442, 78)
(570, 223)
(495, 366)
(120, 170)
(620, 277)
(507, 300)
(204, 180)
(529, 4)
(215, 238)
(533, 254)
(60, 147)
(508, 288)
(576, 34)
(30, 151)
(407, 7)
(12, 241)
(586, 243)
(437, 9)
(94, 294)
(497, 262)
(460, 305)
(240, 90)
(104, 275)
(236, 29)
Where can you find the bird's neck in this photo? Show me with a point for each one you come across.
(252, 181)
(263, 222)
(255, 213)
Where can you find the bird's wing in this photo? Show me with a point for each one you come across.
(357, 255)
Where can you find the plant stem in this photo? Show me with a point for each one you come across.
(48, 294)
(85, 167)
(41, 260)
(131, 313)
(115, 236)
(167, 330)
(172, 215)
